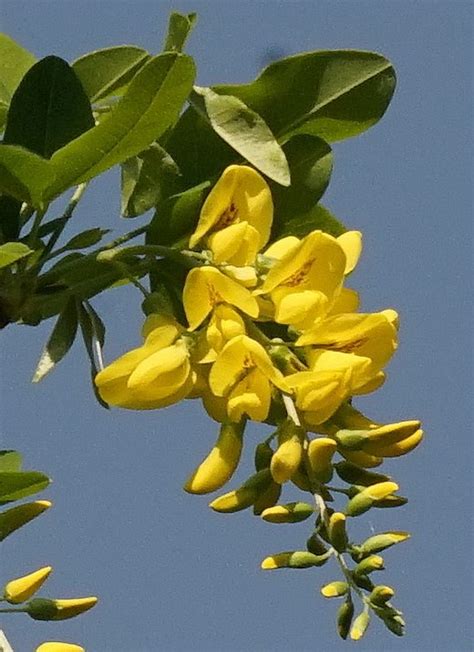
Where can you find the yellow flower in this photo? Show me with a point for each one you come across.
(371, 335)
(23, 588)
(351, 242)
(207, 287)
(243, 372)
(59, 646)
(305, 282)
(224, 325)
(236, 217)
(154, 375)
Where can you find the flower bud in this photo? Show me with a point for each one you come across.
(287, 457)
(316, 545)
(246, 495)
(353, 440)
(23, 588)
(390, 434)
(353, 474)
(368, 565)
(334, 589)
(362, 459)
(267, 498)
(381, 594)
(46, 609)
(218, 467)
(399, 448)
(320, 453)
(344, 618)
(293, 559)
(263, 455)
(58, 646)
(360, 625)
(337, 531)
(382, 541)
(289, 513)
(364, 500)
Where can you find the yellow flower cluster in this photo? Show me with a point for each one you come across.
(326, 351)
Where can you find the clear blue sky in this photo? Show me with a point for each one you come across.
(171, 575)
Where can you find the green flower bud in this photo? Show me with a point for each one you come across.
(289, 513)
(382, 541)
(353, 474)
(267, 498)
(360, 625)
(23, 588)
(263, 455)
(359, 504)
(315, 545)
(344, 618)
(381, 594)
(364, 500)
(337, 531)
(368, 565)
(246, 495)
(335, 589)
(391, 501)
(46, 609)
(353, 440)
(293, 559)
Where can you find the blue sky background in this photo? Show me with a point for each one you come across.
(173, 576)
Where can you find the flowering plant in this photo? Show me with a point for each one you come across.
(242, 270)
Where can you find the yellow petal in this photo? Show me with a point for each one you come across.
(206, 287)
(351, 242)
(240, 195)
(282, 247)
(300, 309)
(250, 397)
(58, 646)
(157, 364)
(23, 588)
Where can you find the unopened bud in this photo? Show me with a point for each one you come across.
(337, 531)
(369, 564)
(360, 625)
(382, 541)
(46, 609)
(59, 646)
(364, 500)
(287, 457)
(289, 513)
(334, 589)
(353, 474)
(16, 517)
(23, 588)
(320, 454)
(381, 594)
(352, 440)
(267, 498)
(390, 434)
(293, 559)
(316, 545)
(241, 498)
(344, 618)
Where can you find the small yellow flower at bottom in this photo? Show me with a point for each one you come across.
(23, 588)
(59, 646)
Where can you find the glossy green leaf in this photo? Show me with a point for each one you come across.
(14, 62)
(49, 108)
(317, 217)
(86, 238)
(19, 484)
(179, 28)
(59, 342)
(334, 94)
(310, 160)
(10, 461)
(148, 179)
(24, 175)
(177, 217)
(244, 130)
(107, 72)
(151, 104)
(10, 252)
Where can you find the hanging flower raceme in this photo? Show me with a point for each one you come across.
(154, 375)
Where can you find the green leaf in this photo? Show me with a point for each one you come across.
(245, 131)
(92, 329)
(10, 252)
(24, 175)
(151, 104)
(49, 108)
(14, 518)
(10, 461)
(86, 239)
(18, 484)
(317, 217)
(14, 62)
(310, 160)
(148, 179)
(177, 217)
(107, 72)
(179, 28)
(334, 94)
(60, 341)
